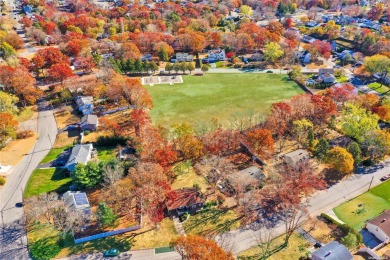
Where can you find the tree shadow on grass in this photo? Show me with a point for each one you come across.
(210, 222)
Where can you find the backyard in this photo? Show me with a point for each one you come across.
(47, 180)
(379, 87)
(372, 203)
(202, 98)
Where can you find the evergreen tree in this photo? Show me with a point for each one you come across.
(105, 216)
(354, 149)
(321, 149)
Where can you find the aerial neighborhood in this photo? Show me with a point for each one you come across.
(202, 130)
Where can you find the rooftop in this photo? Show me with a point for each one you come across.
(185, 197)
(332, 251)
(89, 119)
(80, 153)
(382, 221)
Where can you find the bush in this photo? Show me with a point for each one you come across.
(111, 140)
(270, 71)
(24, 134)
(43, 250)
(87, 132)
(2, 180)
(350, 240)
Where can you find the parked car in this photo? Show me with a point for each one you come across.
(111, 253)
(386, 177)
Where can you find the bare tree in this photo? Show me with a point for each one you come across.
(112, 172)
(264, 238)
(42, 206)
(292, 216)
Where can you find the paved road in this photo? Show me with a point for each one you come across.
(322, 201)
(12, 234)
(148, 254)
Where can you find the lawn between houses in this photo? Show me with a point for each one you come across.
(202, 98)
(373, 203)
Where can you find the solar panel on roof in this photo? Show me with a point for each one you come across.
(80, 198)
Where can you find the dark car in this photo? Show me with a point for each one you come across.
(111, 253)
(386, 177)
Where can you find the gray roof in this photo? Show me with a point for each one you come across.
(332, 251)
(80, 154)
(84, 100)
(297, 155)
(249, 175)
(89, 119)
(383, 222)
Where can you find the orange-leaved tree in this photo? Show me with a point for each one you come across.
(199, 248)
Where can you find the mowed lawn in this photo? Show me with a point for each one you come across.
(373, 203)
(202, 98)
(47, 180)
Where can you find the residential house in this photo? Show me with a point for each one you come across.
(249, 178)
(81, 153)
(89, 122)
(127, 153)
(332, 251)
(84, 104)
(326, 76)
(380, 226)
(296, 157)
(218, 55)
(308, 39)
(187, 200)
(312, 24)
(306, 58)
(77, 200)
(180, 56)
(147, 57)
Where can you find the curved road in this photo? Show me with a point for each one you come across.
(13, 238)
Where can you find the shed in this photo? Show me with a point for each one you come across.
(76, 200)
(81, 153)
(332, 251)
(296, 157)
(89, 122)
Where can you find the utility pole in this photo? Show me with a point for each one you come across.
(369, 187)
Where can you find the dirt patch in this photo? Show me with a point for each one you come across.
(319, 230)
(66, 116)
(66, 139)
(16, 150)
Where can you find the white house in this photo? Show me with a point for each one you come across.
(217, 54)
(380, 226)
(81, 153)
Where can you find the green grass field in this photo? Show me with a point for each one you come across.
(201, 98)
(53, 154)
(377, 87)
(374, 202)
(106, 153)
(47, 180)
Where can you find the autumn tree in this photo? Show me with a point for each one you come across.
(164, 50)
(8, 103)
(379, 64)
(272, 52)
(185, 141)
(51, 56)
(129, 50)
(261, 141)
(376, 144)
(8, 127)
(196, 247)
(383, 111)
(246, 10)
(60, 72)
(340, 159)
(356, 121)
(152, 189)
(300, 130)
